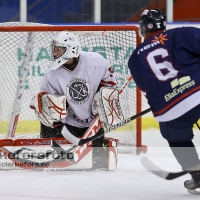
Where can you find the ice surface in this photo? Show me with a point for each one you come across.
(131, 181)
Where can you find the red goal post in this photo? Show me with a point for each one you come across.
(24, 62)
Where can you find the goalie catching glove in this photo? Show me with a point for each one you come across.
(49, 110)
(106, 104)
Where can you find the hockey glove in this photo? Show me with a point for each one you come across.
(49, 110)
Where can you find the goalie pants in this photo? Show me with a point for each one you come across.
(100, 152)
(179, 134)
(48, 132)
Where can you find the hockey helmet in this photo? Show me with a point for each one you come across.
(65, 45)
(151, 21)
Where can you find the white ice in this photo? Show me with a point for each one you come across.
(131, 181)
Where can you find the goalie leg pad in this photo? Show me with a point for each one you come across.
(107, 105)
(113, 154)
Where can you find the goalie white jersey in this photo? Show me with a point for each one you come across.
(80, 85)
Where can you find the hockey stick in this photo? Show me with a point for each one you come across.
(63, 153)
(90, 134)
(92, 130)
(111, 128)
(85, 141)
(96, 125)
(74, 154)
(150, 166)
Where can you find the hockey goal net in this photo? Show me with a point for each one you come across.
(25, 56)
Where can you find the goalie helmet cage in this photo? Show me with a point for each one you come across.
(25, 56)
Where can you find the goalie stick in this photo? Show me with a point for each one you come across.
(61, 152)
(82, 143)
(76, 151)
(90, 134)
(93, 129)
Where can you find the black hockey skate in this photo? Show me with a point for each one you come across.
(100, 158)
(193, 184)
(100, 155)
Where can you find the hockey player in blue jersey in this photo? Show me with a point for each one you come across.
(166, 68)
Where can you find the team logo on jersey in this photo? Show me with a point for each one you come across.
(150, 26)
(179, 86)
(157, 40)
(161, 38)
(78, 91)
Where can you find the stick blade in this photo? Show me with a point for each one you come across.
(153, 168)
(150, 166)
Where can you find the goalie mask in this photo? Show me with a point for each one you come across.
(151, 21)
(65, 46)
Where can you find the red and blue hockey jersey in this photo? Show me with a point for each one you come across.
(166, 68)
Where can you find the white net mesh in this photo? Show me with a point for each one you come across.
(115, 46)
